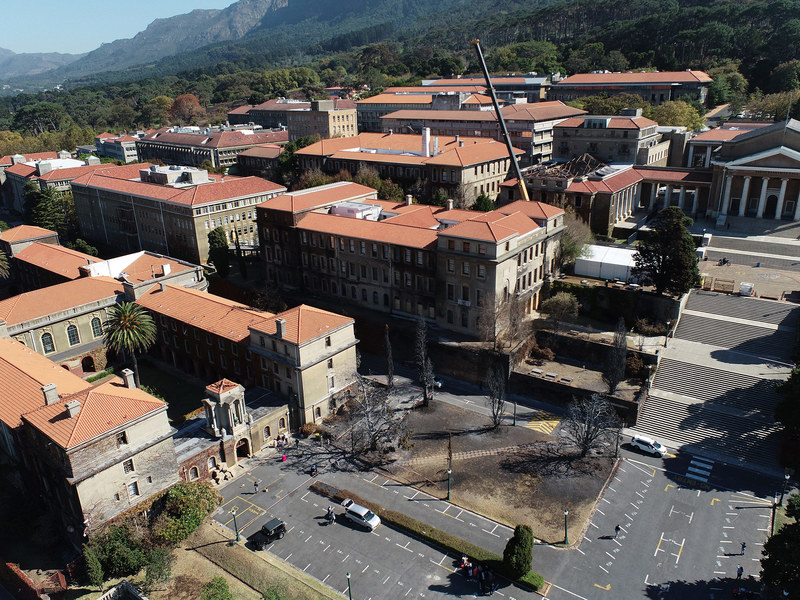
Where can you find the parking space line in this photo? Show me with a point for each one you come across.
(308, 565)
(600, 511)
(365, 568)
(326, 578)
(345, 558)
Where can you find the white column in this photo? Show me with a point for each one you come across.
(681, 197)
(694, 199)
(691, 154)
(653, 191)
(781, 198)
(745, 195)
(638, 196)
(762, 199)
(726, 198)
(797, 209)
(668, 196)
(708, 157)
(629, 206)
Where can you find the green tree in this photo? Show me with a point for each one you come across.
(218, 250)
(559, 308)
(158, 569)
(439, 197)
(483, 203)
(390, 191)
(787, 413)
(130, 329)
(186, 504)
(119, 551)
(94, 568)
(779, 567)
(678, 114)
(216, 589)
(666, 258)
(274, 592)
(83, 246)
(518, 553)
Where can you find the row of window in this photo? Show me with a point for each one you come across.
(73, 336)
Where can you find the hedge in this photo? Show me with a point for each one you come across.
(426, 533)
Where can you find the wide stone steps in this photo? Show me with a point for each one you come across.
(698, 427)
(755, 246)
(767, 262)
(750, 339)
(753, 396)
(750, 309)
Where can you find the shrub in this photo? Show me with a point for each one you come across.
(94, 568)
(538, 352)
(518, 554)
(118, 551)
(186, 504)
(635, 367)
(273, 592)
(216, 589)
(159, 567)
(308, 429)
(648, 328)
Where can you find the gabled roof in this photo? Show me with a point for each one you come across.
(149, 266)
(720, 134)
(21, 169)
(56, 298)
(25, 372)
(478, 99)
(421, 216)
(675, 175)
(220, 139)
(608, 185)
(71, 172)
(320, 196)
(535, 210)
(304, 324)
(6, 160)
(102, 409)
(214, 314)
(539, 111)
(56, 259)
(613, 122)
(431, 89)
(397, 99)
(687, 76)
(263, 151)
(24, 232)
(374, 231)
(480, 230)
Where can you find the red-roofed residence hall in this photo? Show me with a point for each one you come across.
(655, 87)
(169, 210)
(453, 267)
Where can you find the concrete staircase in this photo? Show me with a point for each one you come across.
(762, 342)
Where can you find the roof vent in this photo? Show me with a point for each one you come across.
(73, 407)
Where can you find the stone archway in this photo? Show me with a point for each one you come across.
(87, 364)
(771, 206)
(243, 449)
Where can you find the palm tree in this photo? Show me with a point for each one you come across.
(130, 328)
(4, 270)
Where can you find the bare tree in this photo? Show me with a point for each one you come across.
(376, 426)
(487, 321)
(387, 347)
(614, 370)
(495, 383)
(574, 241)
(590, 422)
(559, 308)
(516, 315)
(424, 364)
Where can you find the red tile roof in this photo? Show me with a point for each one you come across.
(222, 188)
(282, 105)
(311, 198)
(480, 230)
(25, 372)
(478, 99)
(478, 80)
(6, 160)
(539, 111)
(675, 175)
(263, 151)
(429, 89)
(24, 232)
(304, 324)
(397, 99)
(148, 267)
(63, 296)
(687, 76)
(102, 409)
(608, 185)
(373, 231)
(613, 122)
(421, 216)
(21, 169)
(535, 210)
(222, 139)
(223, 385)
(71, 172)
(56, 259)
(720, 134)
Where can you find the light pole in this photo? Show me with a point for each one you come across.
(783, 491)
(235, 526)
(566, 527)
(349, 591)
(449, 480)
(666, 337)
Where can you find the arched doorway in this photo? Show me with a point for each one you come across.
(772, 204)
(87, 364)
(243, 448)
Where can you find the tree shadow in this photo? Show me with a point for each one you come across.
(548, 459)
(704, 589)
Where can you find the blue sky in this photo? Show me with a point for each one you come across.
(81, 26)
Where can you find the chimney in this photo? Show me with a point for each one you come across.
(280, 327)
(44, 166)
(73, 408)
(449, 204)
(460, 144)
(50, 394)
(163, 286)
(127, 377)
(391, 132)
(166, 269)
(458, 140)
(17, 158)
(426, 141)
(435, 146)
(409, 199)
(4, 329)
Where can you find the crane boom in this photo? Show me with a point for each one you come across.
(523, 190)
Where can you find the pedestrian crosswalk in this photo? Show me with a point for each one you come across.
(699, 468)
(543, 422)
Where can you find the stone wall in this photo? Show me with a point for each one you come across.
(609, 303)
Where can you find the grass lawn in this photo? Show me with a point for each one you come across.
(181, 395)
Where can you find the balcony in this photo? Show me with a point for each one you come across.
(462, 302)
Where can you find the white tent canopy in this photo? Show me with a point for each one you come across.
(606, 262)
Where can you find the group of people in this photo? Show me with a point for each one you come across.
(480, 573)
(282, 441)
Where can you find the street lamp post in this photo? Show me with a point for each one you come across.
(235, 526)
(566, 527)
(449, 480)
(783, 491)
(349, 591)
(666, 337)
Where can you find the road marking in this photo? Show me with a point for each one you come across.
(567, 591)
(600, 511)
(303, 497)
(698, 471)
(326, 549)
(326, 578)
(308, 538)
(308, 565)
(345, 558)
(581, 551)
(611, 555)
(612, 489)
(604, 569)
(751, 499)
(387, 579)
(638, 494)
(288, 557)
(626, 515)
(603, 587)
(680, 551)
(697, 478)
(658, 548)
(365, 568)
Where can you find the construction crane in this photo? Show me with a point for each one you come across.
(523, 190)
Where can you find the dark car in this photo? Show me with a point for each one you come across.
(272, 530)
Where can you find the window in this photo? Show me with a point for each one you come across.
(149, 479)
(465, 268)
(481, 271)
(267, 434)
(127, 466)
(47, 343)
(328, 342)
(122, 439)
(282, 423)
(116, 497)
(465, 246)
(451, 265)
(194, 473)
(133, 489)
(97, 327)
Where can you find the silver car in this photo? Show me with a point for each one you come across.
(360, 515)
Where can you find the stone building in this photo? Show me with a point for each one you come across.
(168, 210)
(655, 87)
(322, 119)
(275, 112)
(261, 161)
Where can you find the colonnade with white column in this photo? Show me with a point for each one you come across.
(683, 193)
(749, 187)
(626, 202)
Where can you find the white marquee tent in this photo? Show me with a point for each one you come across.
(606, 262)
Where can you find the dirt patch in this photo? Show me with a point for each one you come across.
(511, 474)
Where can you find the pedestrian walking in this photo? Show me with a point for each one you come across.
(255, 487)
(739, 572)
(744, 547)
(616, 531)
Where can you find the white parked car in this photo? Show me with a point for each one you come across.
(361, 515)
(649, 445)
(437, 383)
